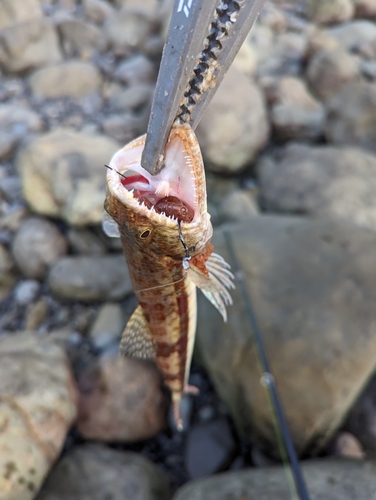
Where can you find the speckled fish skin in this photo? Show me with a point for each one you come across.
(164, 325)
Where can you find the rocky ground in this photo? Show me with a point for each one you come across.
(289, 147)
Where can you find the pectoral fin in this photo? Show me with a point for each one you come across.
(215, 282)
(137, 341)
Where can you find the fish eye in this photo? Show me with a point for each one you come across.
(145, 234)
(183, 210)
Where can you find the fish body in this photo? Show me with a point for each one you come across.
(165, 231)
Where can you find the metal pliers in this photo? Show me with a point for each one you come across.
(203, 39)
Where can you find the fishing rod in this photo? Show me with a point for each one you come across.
(267, 379)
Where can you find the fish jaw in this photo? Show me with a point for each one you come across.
(183, 177)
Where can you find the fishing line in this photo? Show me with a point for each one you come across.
(267, 379)
(117, 171)
(160, 286)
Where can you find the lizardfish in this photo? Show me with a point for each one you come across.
(165, 231)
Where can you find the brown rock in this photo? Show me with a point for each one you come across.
(18, 11)
(129, 28)
(346, 445)
(7, 278)
(330, 11)
(63, 175)
(38, 405)
(72, 79)
(295, 113)
(121, 400)
(235, 125)
(365, 8)
(29, 45)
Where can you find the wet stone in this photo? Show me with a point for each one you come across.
(37, 244)
(332, 479)
(209, 448)
(351, 116)
(26, 291)
(37, 409)
(330, 11)
(90, 278)
(135, 70)
(107, 326)
(97, 472)
(312, 284)
(71, 78)
(29, 45)
(121, 399)
(80, 39)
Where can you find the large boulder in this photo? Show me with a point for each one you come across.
(313, 289)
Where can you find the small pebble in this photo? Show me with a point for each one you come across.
(210, 448)
(26, 291)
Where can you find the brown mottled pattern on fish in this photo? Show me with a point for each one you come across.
(164, 324)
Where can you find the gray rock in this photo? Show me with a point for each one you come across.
(329, 71)
(325, 181)
(37, 409)
(330, 479)
(125, 126)
(313, 286)
(132, 98)
(80, 38)
(26, 291)
(97, 472)
(11, 188)
(295, 113)
(238, 205)
(108, 326)
(286, 55)
(351, 116)
(29, 45)
(362, 418)
(97, 11)
(135, 70)
(368, 69)
(19, 119)
(330, 11)
(63, 175)
(72, 79)
(36, 246)
(355, 35)
(121, 400)
(129, 28)
(18, 11)
(209, 448)
(84, 241)
(90, 278)
(235, 126)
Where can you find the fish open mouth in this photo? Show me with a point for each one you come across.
(172, 192)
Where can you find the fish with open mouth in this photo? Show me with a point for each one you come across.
(165, 231)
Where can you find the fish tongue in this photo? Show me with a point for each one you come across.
(131, 179)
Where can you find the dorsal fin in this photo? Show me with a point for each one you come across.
(137, 341)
